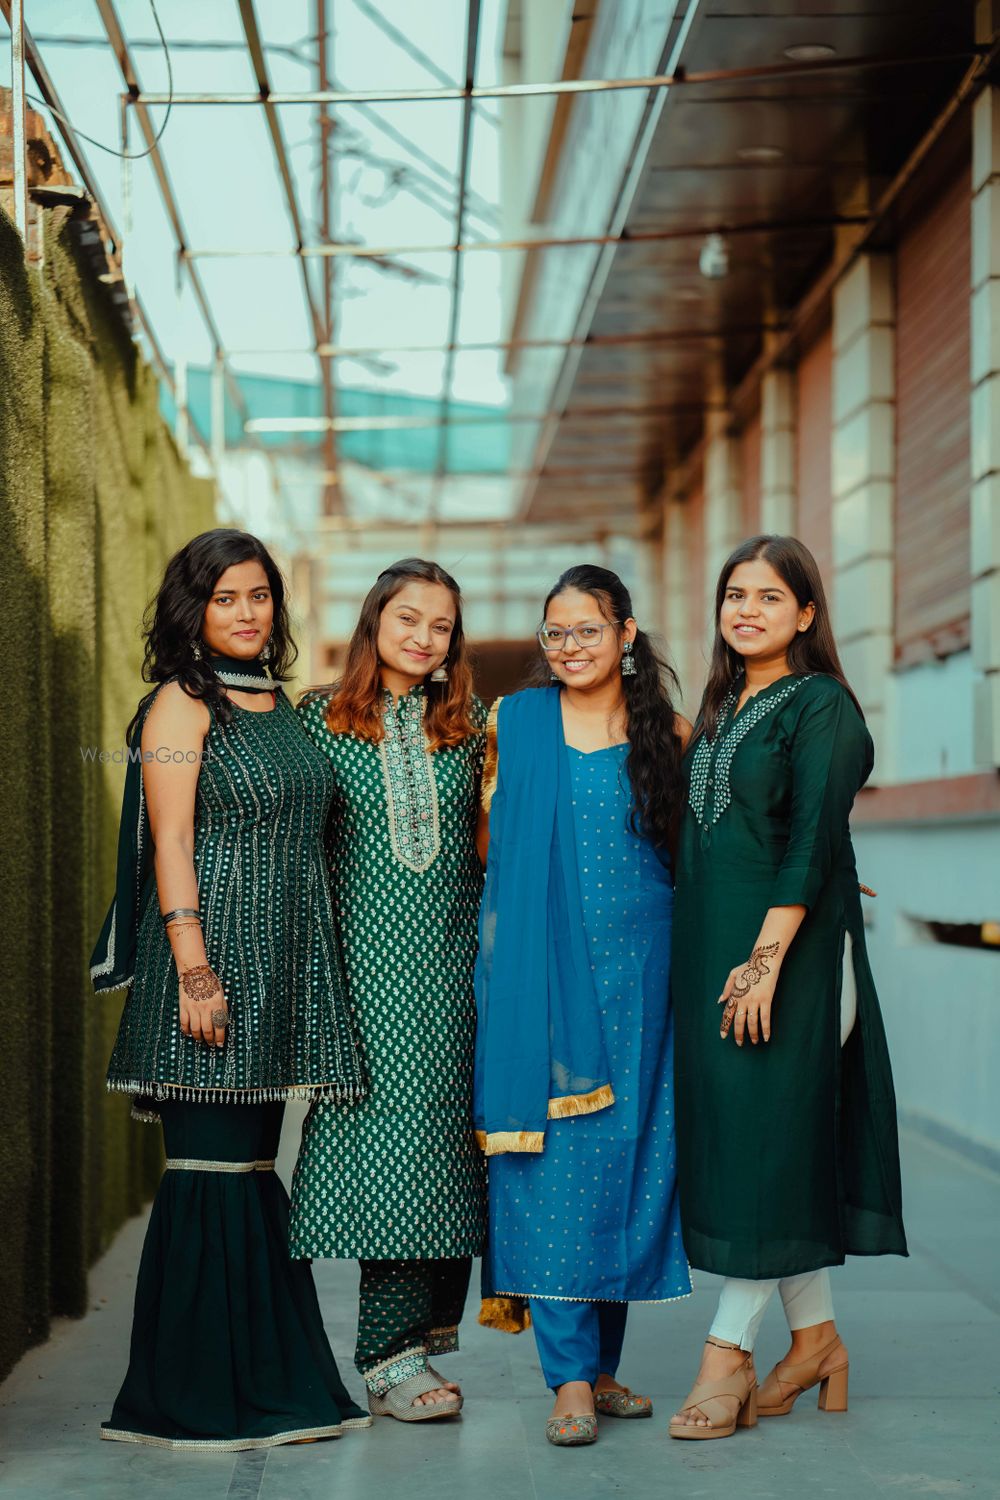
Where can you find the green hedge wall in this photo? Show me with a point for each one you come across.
(93, 500)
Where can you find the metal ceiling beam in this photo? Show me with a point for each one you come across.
(352, 251)
(119, 46)
(489, 346)
(258, 62)
(762, 72)
(478, 419)
(472, 20)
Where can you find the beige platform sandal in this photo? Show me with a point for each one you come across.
(398, 1400)
(786, 1383)
(740, 1386)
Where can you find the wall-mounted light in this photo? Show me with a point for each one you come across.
(761, 154)
(713, 262)
(810, 52)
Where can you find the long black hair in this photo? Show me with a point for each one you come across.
(173, 620)
(812, 650)
(655, 749)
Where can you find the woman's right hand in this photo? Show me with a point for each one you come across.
(200, 1018)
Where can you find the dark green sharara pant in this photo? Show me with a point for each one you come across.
(228, 1349)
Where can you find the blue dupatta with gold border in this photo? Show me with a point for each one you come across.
(540, 1051)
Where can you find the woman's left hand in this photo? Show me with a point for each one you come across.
(748, 995)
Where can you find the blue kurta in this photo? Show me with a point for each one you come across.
(595, 1215)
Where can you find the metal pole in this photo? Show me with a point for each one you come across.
(548, 242)
(327, 130)
(471, 48)
(181, 406)
(762, 72)
(218, 411)
(19, 105)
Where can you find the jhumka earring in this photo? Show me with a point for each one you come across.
(440, 674)
(196, 650)
(628, 660)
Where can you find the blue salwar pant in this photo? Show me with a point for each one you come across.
(578, 1340)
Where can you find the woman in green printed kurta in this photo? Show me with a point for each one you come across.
(396, 1180)
(786, 1125)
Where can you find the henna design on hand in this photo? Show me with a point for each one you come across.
(200, 983)
(756, 969)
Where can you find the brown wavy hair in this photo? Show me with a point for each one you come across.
(355, 705)
(814, 650)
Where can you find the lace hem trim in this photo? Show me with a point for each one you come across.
(222, 1445)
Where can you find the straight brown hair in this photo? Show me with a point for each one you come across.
(813, 650)
(355, 705)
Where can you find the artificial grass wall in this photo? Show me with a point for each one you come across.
(93, 500)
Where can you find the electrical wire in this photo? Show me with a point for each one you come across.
(123, 155)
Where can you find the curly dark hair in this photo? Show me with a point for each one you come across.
(655, 748)
(173, 619)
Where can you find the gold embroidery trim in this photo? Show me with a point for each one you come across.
(193, 1164)
(499, 1141)
(491, 761)
(581, 1104)
(496, 1142)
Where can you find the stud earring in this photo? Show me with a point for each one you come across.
(440, 674)
(628, 660)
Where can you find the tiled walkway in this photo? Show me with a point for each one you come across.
(924, 1336)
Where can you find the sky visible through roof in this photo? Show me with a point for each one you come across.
(394, 172)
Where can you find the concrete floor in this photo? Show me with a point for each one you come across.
(924, 1336)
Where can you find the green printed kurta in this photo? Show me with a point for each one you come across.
(398, 1175)
(787, 1151)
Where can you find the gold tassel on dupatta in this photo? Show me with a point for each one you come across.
(505, 1314)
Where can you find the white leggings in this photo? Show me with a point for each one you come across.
(807, 1299)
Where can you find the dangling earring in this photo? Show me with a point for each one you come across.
(196, 650)
(440, 674)
(628, 660)
(265, 650)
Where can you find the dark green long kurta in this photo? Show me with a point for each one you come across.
(787, 1152)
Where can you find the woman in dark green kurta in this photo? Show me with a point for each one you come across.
(396, 1180)
(787, 1149)
(222, 932)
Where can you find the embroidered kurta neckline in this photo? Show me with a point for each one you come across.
(411, 790)
(709, 792)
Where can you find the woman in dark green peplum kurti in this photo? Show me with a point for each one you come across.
(786, 1123)
(222, 932)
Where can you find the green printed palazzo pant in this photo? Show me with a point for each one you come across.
(409, 1311)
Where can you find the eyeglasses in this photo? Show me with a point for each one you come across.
(554, 638)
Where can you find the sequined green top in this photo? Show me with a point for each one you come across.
(260, 809)
(398, 1174)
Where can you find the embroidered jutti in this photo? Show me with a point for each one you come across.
(787, 1152)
